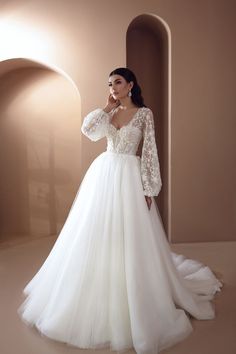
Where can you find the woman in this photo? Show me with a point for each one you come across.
(111, 278)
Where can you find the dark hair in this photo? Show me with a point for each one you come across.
(129, 76)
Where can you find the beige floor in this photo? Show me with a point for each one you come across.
(19, 262)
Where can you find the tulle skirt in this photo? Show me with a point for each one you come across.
(111, 279)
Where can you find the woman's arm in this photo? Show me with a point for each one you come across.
(150, 168)
(95, 124)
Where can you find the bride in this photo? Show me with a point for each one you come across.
(111, 279)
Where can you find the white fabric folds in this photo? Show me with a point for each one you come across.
(111, 279)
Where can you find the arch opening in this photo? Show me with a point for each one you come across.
(148, 50)
(40, 120)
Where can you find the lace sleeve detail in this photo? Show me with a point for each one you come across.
(95, 124)
(150, 168)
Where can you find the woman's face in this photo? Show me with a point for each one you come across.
(119, 87)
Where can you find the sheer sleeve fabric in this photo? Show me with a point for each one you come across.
(95, 124)
(150, 168)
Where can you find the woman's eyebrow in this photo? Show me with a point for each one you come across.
(110, 82)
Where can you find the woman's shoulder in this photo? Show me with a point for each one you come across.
(146, 112)
(146, 109)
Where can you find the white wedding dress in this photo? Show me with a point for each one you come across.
(111, 279)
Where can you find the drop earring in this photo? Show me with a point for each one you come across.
(129, 93)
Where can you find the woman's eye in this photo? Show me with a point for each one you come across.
(115, 83)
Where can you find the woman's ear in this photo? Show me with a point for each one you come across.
(131, 84)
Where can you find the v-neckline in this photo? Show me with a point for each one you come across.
(125, 125)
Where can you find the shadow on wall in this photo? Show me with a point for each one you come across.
(39, 141)
(148, 55)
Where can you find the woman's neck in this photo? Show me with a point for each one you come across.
(126, 103)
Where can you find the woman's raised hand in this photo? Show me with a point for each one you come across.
(111, 103)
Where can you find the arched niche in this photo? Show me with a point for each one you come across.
(148, 44)
(40, 118)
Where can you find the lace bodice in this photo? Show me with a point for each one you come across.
(97, 124)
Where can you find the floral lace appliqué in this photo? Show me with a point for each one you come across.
(150, 168)
(96, 125)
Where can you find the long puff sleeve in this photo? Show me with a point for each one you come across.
(150, 168)
(95, 124)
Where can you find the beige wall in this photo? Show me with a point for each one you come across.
(88, 41)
